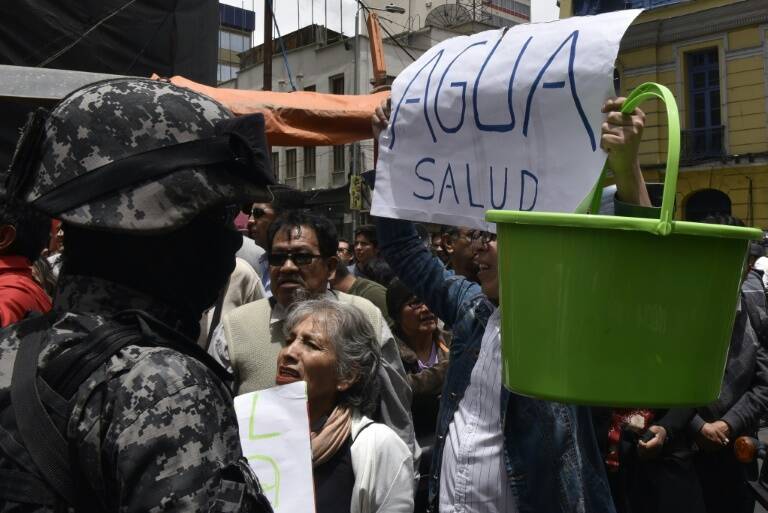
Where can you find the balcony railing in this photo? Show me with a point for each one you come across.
(647, 4)
(703, 143)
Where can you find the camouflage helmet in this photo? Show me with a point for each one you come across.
(133, 154)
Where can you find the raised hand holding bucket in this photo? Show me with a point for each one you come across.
(614, 310)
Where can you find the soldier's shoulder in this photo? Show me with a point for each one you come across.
(158, 371)
(138, 379)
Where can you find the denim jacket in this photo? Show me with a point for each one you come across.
(552, 459)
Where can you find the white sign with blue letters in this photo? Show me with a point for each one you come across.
(504, 119)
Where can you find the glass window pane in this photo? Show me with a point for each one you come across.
(699, 80)
(699, 119)
(241, 43)
(698, 102)
(714, 77)
(714, 99)
(715, 118)
(290, 164)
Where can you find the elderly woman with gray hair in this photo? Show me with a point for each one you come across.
(359, 466)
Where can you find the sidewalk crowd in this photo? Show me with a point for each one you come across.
(125, 339)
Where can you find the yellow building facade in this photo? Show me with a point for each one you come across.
(713, 55)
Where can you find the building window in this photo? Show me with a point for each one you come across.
(585, 7)
(226, 72)
(704, 136)
(648, 4)
(276, 165)
(309, 168)
(234, 41)
(290, 168)
(336, 84)
(312, 88)
(339, 175)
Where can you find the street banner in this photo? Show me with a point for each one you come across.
(274, 435)
(506, 119)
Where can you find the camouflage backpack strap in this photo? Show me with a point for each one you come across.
(21, 482)
(42, 439)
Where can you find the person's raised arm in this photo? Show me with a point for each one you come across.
(620, 138)
(421, 271)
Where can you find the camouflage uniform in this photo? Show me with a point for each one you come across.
(152, 429)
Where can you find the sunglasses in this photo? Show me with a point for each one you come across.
(483, 237)
(299, 259)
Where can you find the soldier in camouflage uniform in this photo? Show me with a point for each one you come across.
(140, 172)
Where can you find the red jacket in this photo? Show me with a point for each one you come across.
(19, 292)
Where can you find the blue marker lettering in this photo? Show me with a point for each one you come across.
(436, 59)
(462, 85)
(523, 174)
(424, 179)
(452, 186)
(572, 81)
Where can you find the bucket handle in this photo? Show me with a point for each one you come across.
(641, 93)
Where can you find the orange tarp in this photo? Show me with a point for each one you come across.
(300, 118)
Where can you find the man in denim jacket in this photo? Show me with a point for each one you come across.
(499, 452)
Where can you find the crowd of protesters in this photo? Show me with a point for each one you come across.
(128, 334)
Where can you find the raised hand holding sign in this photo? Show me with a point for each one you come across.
(505, 119)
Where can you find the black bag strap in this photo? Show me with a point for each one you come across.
(67, 372)
(45, 444)
(361, 430)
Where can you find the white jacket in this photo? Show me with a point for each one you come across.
(383, 468)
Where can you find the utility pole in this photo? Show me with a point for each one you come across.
(266, 46)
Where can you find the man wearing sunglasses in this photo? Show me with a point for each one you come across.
(301, 252)
(498, 452)
(260, 217)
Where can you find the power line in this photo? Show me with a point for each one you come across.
(282, 48)
(392, 38)
(85, 34)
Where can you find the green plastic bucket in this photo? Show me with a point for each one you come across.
(619, 311)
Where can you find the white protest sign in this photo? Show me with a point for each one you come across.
(499, 120)
(274, 435)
